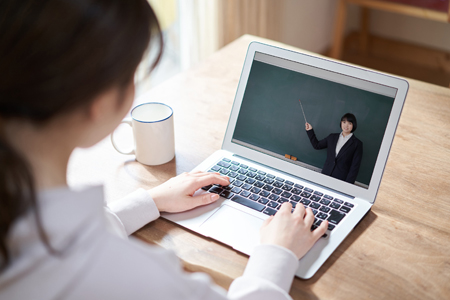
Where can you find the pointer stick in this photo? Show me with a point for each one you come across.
(302, 110)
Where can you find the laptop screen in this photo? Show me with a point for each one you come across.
(272, 120)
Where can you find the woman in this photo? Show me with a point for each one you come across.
(67, 81)
(344, 152)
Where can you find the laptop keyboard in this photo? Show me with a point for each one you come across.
(265, 193)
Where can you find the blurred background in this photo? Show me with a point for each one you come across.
(410, 38)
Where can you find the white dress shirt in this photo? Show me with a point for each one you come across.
(96, 260)
(341, 142)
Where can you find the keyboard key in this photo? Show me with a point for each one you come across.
(318, 193)
(227, 194)
(315, 211)
(268, 187)
(242, 171)
(277, 184)
(216, 168)
(294, 204)
(305, 202)
(246, 186)
(235, 163)
(264, 193)
(334, 205)
(226, 159)
(216, 190)
(248, 203)
(315, 198)
(331, 226)
(259, 177)
(335, 216)
(308, 190)
(250, 180)
(282, 200)
(251, 174)
(224, 164)
(324, 201)
(279, 179)
(263, 200)
(227, 188)
(345, 209)
(286, 194)
(286, 187)
(321, 215)
(296, 191)
(338, 200)
(234, 168)
(318, 222)
(258, 184)
(262, 173)
(296, 198)
(328, 197)
(244, 166)
(270, 176)
(277, 191)
(305, 194)
(236, 190)
(269, 211)
(324, 209)
(232, 174)
(253, 197)
(272, 204)
(273, 197)
(268, 180)
(300, 187)
(205, 188)
(348, 204)
(238, 183)
(241, 177)
(224, 171)
(289, 182)
(255, 190)
(314, 205)
(252, 169)
(245, 193)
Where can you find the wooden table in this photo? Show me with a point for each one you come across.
(400, 250)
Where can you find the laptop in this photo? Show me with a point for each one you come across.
(270, 159)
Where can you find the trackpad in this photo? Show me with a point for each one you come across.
(233, 227)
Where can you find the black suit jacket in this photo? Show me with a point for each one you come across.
(346, 165)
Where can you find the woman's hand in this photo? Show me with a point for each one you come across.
(292, 230)
(308, 126)
(176, 194)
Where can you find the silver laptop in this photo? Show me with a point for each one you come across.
(270, 158)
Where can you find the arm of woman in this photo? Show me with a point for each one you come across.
(356, 163)
(313, 139)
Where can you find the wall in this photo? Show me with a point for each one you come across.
(308, 24)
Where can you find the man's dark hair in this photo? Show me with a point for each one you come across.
(349, 118)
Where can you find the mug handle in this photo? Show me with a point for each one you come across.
(126, 121)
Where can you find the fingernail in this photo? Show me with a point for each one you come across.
(214, 197)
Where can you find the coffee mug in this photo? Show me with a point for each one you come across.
(154, 141)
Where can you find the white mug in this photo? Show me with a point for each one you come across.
(154, 141)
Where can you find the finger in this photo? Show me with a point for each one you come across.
(319, 231)
(309, 216)
(285, 207)
(267, 221)
(299, 210)
(203, 199)
(211, 178)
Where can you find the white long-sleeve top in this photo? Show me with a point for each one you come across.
(94, 261)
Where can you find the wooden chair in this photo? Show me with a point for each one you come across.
(437, 10)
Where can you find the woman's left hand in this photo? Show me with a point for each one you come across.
(176, 194)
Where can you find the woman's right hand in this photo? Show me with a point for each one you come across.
(292, 230)
(308, 126)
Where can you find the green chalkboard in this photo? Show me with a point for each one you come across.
(271, 118)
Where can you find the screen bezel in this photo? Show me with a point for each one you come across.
(334, 66)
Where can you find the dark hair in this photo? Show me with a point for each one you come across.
(57, 56)
(349, 118)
